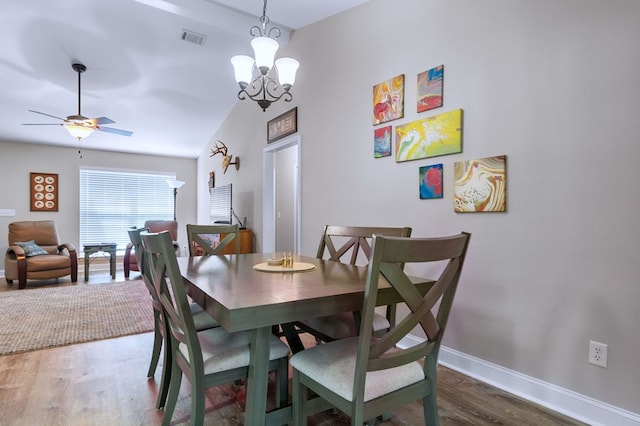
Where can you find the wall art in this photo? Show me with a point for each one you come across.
(480, 185)
(430, 85)
(44, 192)
(431, 182)
(430, 137)
(283, 125)
(382, 142)
(388, 100)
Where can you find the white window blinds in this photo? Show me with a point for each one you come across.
(113, 201)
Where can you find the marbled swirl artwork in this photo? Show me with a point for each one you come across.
(431, 182)
(388, 100)
(430, 88)
(480, 185)
(430, 137)
(382, 142)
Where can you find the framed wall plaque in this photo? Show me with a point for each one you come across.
(283, 125)
(44, 192)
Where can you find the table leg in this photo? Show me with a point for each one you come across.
(86, 265)
(257, 382)
(112, 263)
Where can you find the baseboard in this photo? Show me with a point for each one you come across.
(567, 402)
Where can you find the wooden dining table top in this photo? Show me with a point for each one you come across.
(242, 298)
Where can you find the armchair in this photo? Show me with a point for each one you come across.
(50, 259)
(153, 226)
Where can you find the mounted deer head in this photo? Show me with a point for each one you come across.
(226, 159)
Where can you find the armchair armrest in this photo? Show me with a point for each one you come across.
(16, 252)
(68, 246)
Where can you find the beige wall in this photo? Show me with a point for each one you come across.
(17, 160)
(553, 85)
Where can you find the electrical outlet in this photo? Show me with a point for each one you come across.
(598, 353)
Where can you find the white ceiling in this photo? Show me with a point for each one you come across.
(172, 94)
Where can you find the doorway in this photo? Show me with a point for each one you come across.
(281, 196)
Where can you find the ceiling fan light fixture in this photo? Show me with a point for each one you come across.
(79, 131)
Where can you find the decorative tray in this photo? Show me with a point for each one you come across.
(297, 267)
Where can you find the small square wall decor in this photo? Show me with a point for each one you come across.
(430, 137)
(430, 85)
(431, 182)
(480, 185)
(382, 142)
(388, 100)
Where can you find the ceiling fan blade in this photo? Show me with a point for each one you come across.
(116, 131)
(100, 120)
(48, 115)
(43, 124)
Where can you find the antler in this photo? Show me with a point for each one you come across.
(219, 149)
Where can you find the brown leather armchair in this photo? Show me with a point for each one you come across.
(55, 261)
(154, 226)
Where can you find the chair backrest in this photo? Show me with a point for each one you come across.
(203, 236)
(161, 265)
(354, 240)
(389, 254)
(43, 232)
(136, 240)
(156, 226)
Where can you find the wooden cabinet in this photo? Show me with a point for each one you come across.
(246, 244)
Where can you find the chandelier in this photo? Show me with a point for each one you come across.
(271, 83)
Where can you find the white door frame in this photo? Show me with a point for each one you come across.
(269, 195)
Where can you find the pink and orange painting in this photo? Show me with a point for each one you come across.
(480, 185)
(388, 100)
(430, 85)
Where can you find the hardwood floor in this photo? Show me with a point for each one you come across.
(104, 383)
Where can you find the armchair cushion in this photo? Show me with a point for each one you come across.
(31, 248)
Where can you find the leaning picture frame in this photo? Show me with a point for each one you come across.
(283, 125)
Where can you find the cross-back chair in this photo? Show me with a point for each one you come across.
(367, 376)
(349, 244)
(202, 235)
(201, 319)
(207, 358)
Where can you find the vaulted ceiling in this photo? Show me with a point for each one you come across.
(173, 94)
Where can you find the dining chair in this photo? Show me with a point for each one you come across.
(201, 319)
(366, 376)
(207, 358)
(213, 238)
(349, 244)
(130, 260)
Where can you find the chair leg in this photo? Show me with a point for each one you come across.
(298, 400)
(197, 401)
(157, 346)
(165, 379)
(172, 398)
(282, 383)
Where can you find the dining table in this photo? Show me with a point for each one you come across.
(242, 293)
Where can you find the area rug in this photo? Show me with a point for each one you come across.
(41, 318)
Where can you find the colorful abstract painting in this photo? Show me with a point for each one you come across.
(382, 142)
(430, 137)
(431, 182)
(430, 84)
(388, 100)
(480, 185)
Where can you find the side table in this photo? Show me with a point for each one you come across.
(109, 248)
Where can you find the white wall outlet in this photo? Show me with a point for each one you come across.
(7, 212)
(598, 353)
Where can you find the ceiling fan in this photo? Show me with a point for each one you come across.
(78, 125)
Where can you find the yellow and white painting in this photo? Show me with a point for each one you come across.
(480, 185)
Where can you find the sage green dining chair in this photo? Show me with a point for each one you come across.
(349, 244)
(207, 358)
(366, 376)
(201, 319)
(213, 239)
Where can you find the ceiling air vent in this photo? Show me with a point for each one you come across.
(193, 37)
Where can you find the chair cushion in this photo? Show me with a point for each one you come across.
(48, 262)
(31, 248)
(342, 325)
(222, 351)
(333, 365)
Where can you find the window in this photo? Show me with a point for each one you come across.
(113, 201)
